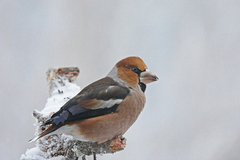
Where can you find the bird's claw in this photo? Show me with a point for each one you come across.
(118, 143)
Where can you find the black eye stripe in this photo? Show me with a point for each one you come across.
(136, 70)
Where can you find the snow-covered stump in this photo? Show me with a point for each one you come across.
(61, 89)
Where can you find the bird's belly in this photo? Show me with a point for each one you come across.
(71, 130)
(103, 128)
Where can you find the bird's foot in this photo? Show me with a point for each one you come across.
(118, 143)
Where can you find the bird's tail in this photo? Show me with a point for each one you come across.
(49, 130)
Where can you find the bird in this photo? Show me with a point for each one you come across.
(106, 108)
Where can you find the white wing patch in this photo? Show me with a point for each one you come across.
(109, 103)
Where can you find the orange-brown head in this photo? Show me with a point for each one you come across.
(133, 70)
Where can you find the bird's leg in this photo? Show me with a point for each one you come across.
(84, 157)
(118, 143)
(94, 156)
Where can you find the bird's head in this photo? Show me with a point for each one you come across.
(134, 71)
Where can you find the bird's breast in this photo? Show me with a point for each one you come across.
(106, 127)
(130, 108)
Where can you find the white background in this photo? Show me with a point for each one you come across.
(192, 112)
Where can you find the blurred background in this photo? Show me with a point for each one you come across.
(192, 112)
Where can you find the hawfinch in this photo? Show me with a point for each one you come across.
(106, 108)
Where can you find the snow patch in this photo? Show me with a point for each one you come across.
(59, 96)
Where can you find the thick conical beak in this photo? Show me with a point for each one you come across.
(147, 77)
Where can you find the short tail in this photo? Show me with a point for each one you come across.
(49, 130)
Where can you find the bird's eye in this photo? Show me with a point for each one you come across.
(135, 70)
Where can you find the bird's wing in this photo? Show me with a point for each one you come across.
(99, 98)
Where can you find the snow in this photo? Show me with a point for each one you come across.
(58, 98)
(33, 153)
